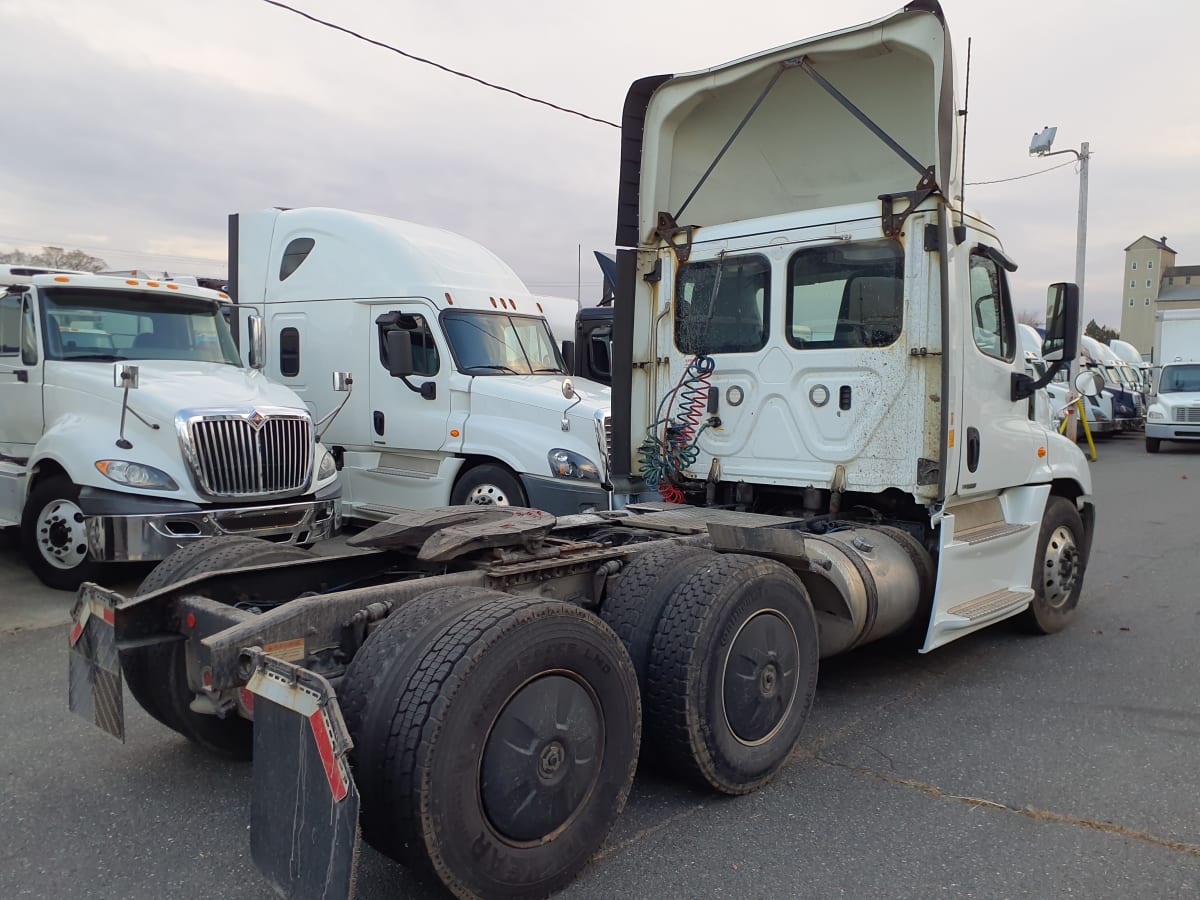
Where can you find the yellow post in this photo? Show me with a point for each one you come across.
(1087, 432)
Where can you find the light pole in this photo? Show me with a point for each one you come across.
(1040, 146)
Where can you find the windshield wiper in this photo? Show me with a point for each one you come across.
(96, 357)
(554, 371)
(498, 367)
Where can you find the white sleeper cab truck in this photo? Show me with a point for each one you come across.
(814, 356)
(130, 427)
(459, 392)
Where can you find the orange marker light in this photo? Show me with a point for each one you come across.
(173, 287)
(453, 432)
(152, 284)
(64, 279)
(1041, 452)
(222, 295)
(130, 281)
(539, 306)
(950, 443)
(449, 299)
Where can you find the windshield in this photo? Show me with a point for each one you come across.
(498, 344)
(1179, 379)
(108, 326)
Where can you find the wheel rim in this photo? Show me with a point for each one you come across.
(542, 758)
(1060, 567)
(62, 534)
(488, 495)
(759, 682)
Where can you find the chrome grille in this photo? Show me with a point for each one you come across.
(608, 437)
(1189, 414)
(247, 455)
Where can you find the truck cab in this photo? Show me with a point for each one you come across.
(131, 427)
(480, 409)
(1174, 412)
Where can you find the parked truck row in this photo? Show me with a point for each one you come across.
(813, 354)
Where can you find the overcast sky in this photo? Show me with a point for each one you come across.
(133, 127)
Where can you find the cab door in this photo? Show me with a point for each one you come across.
(20, 376)
(999, 444)
(402, 418)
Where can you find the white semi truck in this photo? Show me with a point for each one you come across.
(815, 349)
(459, 391)
(93, 471)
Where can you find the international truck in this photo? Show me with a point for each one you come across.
(459, 392)
(130, 427)
(814, 362)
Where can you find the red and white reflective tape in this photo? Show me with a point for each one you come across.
(86, 611)
(306, 701)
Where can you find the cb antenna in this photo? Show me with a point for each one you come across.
(960, 233)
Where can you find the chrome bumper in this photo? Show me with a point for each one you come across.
(153, 536)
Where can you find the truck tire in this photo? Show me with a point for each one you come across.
(1152, 444)
(157, 674)
(488, 485)
(732, 673)
(54, 537)
(509, 750)
(395, 646)
(635, 603)
(1058, 568)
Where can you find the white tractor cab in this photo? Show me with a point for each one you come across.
(809, 325)
(131, 428)
(1174, 412)
(1141, 367)
(460, 393)
(1058, 391)
(1129, 403)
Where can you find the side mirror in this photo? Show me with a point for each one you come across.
(1061, 343)
(568, 355)
(399, 353)
(256, 350)
(1089, 383)
(125, 376)
(342, 382)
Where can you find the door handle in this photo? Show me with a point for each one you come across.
(22, 375)
(972, 449)
(378, 421)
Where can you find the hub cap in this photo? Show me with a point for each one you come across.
(488, 495)
(1060, 567)
(542, 758)
(760, 677)
(61, 535)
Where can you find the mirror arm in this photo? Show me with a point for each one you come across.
(427, 390)
(322, 424)
(1024, 387)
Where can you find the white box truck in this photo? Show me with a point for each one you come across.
(815, 348)
(92, 471)
(1176, 336)
(479, 412)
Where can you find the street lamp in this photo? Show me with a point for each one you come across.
(1040, 146)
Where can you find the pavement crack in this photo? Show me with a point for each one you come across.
(1029, 812)
(614, 849)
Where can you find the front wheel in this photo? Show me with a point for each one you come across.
(54, 535)
(1057, 569)
(488, 485)
(1152, 444)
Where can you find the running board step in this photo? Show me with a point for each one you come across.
(989, 532)
(996, 605)
(377, 511)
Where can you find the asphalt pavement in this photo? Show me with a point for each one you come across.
(999, 766)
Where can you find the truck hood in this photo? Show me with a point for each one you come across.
(543, 392)
(801, 147)
(167, 386)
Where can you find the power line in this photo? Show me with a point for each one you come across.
(1069, 162)
(429, 62)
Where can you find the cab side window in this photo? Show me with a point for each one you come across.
(991, 310)
(10, 324)
(29, 347)
(424, 350)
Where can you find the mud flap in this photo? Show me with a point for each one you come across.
(94, 666)
(304, 833)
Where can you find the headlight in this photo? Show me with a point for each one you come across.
(568, 464)
(136, 475)
(328, 467)
(1155, 414)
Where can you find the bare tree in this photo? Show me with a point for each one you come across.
(1025, 317)
(55, 258)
